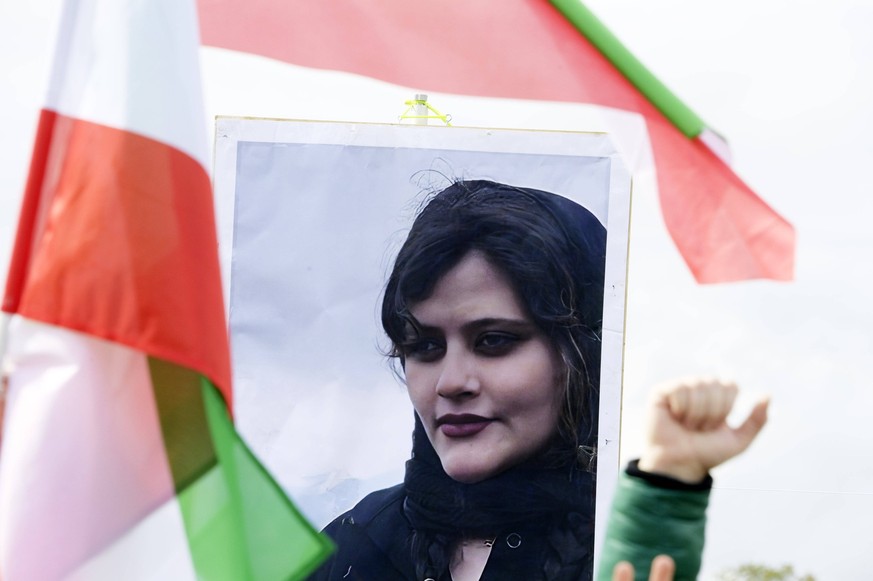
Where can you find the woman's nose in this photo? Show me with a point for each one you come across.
(458, 374)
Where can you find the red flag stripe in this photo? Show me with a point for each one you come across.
(30, 224)
(86, 257)
(724, 231)
(524, 50)
(527, 51)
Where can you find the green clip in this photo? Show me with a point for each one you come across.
(413, 106)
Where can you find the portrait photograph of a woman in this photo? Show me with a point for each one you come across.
(487, 290)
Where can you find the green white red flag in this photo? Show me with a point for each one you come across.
(119, 459)
(529, 50)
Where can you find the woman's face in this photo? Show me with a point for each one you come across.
(483, 378)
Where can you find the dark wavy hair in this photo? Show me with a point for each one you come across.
(552, 250)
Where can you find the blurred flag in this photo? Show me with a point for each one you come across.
(533, 50)
(119, 459)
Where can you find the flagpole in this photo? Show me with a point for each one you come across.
(630, 66)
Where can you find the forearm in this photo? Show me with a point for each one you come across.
(649, 519)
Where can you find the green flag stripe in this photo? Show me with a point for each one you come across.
(655, 91)
(187, 441)
(239, 522)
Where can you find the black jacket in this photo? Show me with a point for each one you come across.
(372, 544)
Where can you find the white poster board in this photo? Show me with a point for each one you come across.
(311, 215)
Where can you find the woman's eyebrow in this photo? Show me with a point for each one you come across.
(504, 323)
(510, 324)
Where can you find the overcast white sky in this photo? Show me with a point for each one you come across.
(790, 84)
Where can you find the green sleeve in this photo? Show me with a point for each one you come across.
(647, 521)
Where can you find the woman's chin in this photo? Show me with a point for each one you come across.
(469, 474)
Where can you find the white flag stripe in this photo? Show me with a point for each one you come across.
(156, 548)
(83, 456)
(268, 88)
(264, 87)
(133, 65)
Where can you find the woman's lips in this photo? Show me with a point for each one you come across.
(461, 425)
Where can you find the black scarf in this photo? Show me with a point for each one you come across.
(558, 499)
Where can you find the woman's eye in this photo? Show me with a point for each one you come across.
(423, 349)
(496, 343)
